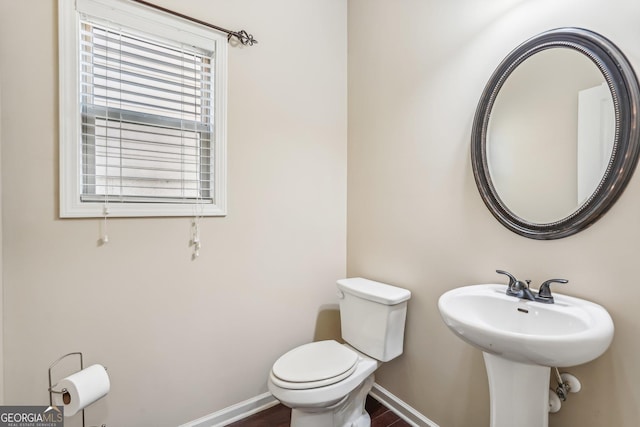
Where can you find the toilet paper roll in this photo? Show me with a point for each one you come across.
(82, 389)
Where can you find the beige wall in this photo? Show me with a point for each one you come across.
(415, 218)
(1, 277)
(180, 338)
(183, 339)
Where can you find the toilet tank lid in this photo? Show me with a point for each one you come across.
(374, 291)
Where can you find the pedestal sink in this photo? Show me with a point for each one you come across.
(521, 340)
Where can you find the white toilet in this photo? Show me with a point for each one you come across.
(325, 383)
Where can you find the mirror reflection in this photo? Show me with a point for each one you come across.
(550, 135)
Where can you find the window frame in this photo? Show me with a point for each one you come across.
(147, 21)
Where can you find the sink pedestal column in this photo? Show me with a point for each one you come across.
(519, 393)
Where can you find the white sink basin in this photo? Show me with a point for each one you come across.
(570, 332)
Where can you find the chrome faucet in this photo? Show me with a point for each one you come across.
(519, 289)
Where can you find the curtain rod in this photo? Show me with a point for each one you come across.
(242, 36)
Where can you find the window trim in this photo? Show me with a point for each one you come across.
(152, 22)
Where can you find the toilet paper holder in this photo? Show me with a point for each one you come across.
(63, 392)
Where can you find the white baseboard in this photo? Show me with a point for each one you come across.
(400, 408)
(236, 412)
(264, 401)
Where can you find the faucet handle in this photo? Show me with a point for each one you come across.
(512, 279)
(544, 293)
(515, 287)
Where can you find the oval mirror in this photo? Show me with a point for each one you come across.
(556, 133)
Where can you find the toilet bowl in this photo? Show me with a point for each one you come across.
(335, 379)
(325, 383)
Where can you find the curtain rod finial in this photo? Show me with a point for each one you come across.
(243, 37)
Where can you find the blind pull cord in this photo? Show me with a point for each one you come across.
(105, 234)
(105, 209)
(195, 237)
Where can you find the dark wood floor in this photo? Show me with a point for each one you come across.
(280, 416)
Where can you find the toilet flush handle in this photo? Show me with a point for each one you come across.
(340, 295)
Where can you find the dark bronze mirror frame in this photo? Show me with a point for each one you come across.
(623, 84)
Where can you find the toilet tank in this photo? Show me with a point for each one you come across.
(372, 317)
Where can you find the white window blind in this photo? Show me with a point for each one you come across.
(147, 119)
(142, 112)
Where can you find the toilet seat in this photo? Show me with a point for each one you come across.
(313, 365)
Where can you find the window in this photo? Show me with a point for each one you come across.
(142, 112)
